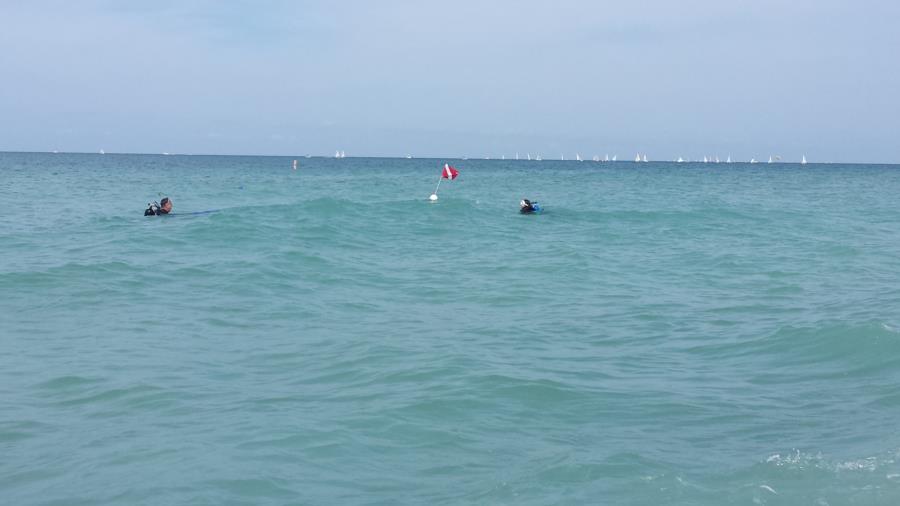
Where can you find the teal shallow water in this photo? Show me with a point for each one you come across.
(688, 334)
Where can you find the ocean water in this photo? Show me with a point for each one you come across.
(663, 334)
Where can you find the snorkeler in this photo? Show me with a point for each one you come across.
(154, 209)
(528, 207)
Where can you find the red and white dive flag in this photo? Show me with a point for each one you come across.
(449, 172)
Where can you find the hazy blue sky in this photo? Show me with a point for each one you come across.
(454, 78)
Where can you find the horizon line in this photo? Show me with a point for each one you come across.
(431, 157)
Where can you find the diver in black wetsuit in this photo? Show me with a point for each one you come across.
(526, 206)
(154, 209)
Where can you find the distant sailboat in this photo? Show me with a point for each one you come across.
(728, 160)
(578, 157)
(408, 157)
(615, 157)
(717, 159)
(770, 160)
(680, 160)
(753, 160)
(596, 158)
(803, 160)
(705, 160)
(645, 158)
(102, 152)
(606, 158)
(637, 158)
(539, 158)
(517, 155)
(528, 155)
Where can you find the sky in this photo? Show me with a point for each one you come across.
(687, 78)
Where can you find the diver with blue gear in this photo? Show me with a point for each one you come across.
(528, 207)
(154, 209)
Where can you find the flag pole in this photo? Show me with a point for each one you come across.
(434, 196)
(439, 182)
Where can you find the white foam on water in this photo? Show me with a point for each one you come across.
(800, 460)
(770, 489)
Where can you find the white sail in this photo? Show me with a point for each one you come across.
(596, 158)
(705, 160)
(645, 157)
(803, 160)
(753, 160)
(528, 155)
(102, 152)
(680, 160)
(728, 160)
(578, 157)
(614, 157)
(637, 157)
(770, 159)
(606, 158)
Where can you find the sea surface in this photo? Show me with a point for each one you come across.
(698, 334)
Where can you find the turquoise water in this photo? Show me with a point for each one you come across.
(662, 334)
